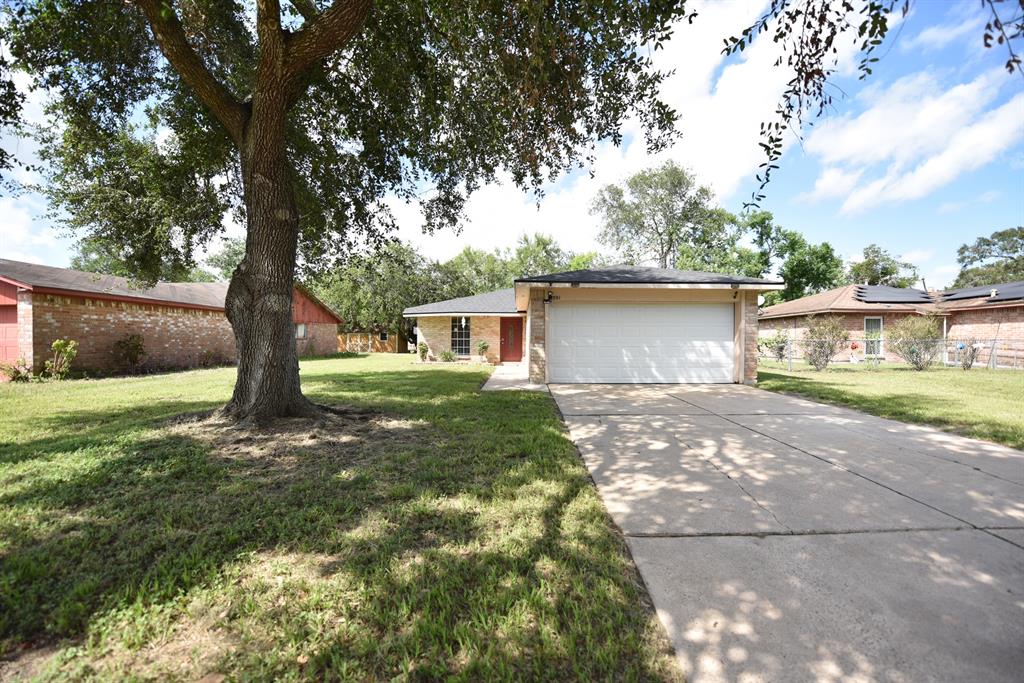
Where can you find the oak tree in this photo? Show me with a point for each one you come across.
(304, 116)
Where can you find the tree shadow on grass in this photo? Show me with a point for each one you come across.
(454, 534)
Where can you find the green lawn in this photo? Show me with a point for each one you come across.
(447, 534)
(982, 403)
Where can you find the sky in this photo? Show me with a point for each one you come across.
(923, 156)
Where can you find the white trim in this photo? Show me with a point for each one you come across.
(881, 333)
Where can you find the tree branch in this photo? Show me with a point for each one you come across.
(326, 35)
(307, 8)
(174, 45)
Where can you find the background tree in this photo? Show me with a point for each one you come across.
(227, 258)
(477, 271)
(879, 267)
(657, 211)
(536, 255)
(991, 260)
(806, 269)
(94, 256)
(315, 112)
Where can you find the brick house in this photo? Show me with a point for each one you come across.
(611, 325)
(991, 316)
(182, 323)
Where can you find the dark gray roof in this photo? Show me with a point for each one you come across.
(1005, 291)
(880, 294)
(501, 301)
(205, 294)
(643, 275)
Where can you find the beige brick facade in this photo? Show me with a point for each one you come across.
(749, 327)
(436, 331)
(321, 340)
(537, 333)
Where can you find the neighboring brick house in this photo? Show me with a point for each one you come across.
(621, 324)
(182, 323)
(992, 316)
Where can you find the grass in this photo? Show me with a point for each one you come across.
(981, 403)
(449, 534)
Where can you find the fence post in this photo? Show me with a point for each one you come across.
(789, 351)
(992, 355)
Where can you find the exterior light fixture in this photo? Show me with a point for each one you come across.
(463, 322)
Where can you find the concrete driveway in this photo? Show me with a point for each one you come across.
(785, 540)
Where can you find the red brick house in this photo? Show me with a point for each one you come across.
(992, 316)
(182, 323)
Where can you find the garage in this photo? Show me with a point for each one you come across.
(647, 343)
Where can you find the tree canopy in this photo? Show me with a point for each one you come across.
(92, 256)
(879, 267)
(993, 259)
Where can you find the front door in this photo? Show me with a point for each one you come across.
(511, 339)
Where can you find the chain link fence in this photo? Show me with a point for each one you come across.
(988, 353)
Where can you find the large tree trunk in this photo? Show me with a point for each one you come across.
(259, 299)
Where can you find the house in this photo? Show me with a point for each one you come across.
(182, 323)
(992, 316)
(618, 324)
(373, 341)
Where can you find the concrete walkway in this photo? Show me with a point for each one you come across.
(511, 377)
(785, 540)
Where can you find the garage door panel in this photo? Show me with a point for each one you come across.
(669, 343)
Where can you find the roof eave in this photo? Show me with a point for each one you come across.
(665, 285)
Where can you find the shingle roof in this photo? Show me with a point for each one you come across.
(500, 301)
(840, 299)
(205, 294)
(622, 275)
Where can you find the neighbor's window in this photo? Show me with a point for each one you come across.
(300, 330)
(383, 336)
(873, 336)
(460, 336)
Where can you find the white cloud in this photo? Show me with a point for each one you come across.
(952, 207)
(916, 256)
(720, 111)
(937, 37)
(912, 137)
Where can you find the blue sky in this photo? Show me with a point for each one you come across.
(924, 156)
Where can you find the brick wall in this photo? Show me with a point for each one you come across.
(174, 337)
(994, 323)
(25, 346)
(321, 340)
(536, 351)
(436, 331)
(750, 338)
(796, 328)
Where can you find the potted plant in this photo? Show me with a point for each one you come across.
(481, 349)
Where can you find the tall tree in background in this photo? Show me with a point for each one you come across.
(879, 267)
(316, 111)
(659, 210)
(806, 268)
(227, 258)
(991, 260)
(93, 256)
(538, 254)
(478, 271)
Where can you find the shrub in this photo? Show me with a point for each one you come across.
(481, 347)
(18, 371)
(423, 350)
(968, 353)
(130, 350)
(447, 357)
(916, 339)
(775, 345)
(825, 337)
(64, 352)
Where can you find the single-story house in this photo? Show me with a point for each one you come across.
(182, 323)
(615, 325)
(991, 316)
(373, 341)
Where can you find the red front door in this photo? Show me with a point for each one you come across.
(511, 339)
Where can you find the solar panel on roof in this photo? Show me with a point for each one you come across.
(1007, 291)
(880, 294)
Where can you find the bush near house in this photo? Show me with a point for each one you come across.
(64, 352)
(916, 339)
(130, 351)
(826, 336)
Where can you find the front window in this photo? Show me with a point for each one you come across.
(300, 330)
(460, 336)
(383, 336)
(872, 336)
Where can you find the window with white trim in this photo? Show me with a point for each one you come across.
(460, 336)
(873, 336)
(382, 336)
(300, 330)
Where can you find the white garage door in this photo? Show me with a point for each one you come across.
(649, 343)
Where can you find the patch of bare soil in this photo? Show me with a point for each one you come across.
(284, 444)
(25, 664)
